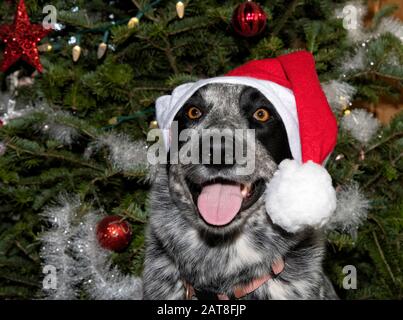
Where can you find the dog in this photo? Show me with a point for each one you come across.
(190, 254)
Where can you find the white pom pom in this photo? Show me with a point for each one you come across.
(300, 195)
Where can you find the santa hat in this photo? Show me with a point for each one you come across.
(300, 194)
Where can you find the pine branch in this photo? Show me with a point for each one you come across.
(380, 173)
(54, 156)
(151, 89)
(21, 247)
(381, 143)
(146, 12)
(287, 14)
(383, 257)
(374, 73)
(170, 55)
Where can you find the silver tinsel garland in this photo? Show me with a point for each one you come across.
(102, 281)
(80, 262)
(56, 242)
(124, 154)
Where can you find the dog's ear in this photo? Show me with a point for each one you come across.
(269, 128)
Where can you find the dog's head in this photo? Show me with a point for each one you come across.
(215, 191)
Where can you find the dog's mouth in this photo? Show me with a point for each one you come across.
(220, 200)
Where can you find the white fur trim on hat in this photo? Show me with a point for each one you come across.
(282, 98)
(300, 195)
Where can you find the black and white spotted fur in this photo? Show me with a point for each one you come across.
(181, 246)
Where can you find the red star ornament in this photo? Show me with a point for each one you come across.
(20, 39)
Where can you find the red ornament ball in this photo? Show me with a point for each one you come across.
(249, 19)
(113, 233)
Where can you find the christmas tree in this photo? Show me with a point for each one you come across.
(77, 101)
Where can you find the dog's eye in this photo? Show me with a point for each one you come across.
(194, 113)
(261, 115)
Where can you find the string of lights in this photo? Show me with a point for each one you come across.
(116, 121)
(105, 29)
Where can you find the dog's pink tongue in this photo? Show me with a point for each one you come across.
(219, 203)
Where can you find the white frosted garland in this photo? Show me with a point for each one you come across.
(351, 211)
(354, 62)
(354, 24)
(125, 154)
(8, 103)
(339, 94)
(353, 20)
(361, 124)
(391, 25)
(61, 133)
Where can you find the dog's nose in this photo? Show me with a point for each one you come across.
(218, 153)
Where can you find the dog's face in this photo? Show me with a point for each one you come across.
(213, 195)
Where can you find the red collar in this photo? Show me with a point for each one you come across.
(242, 290)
